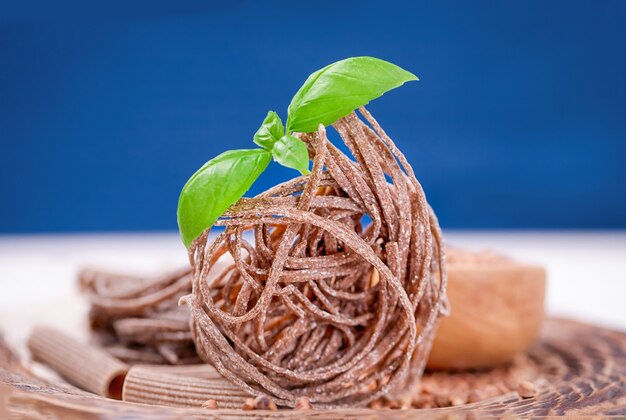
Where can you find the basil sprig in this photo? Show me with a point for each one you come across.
(270, 131)
(286, 149)
(327, 95)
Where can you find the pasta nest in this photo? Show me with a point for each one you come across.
(335, 280)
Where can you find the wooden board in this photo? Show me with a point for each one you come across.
(582, 370)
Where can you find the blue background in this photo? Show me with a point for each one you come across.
(518, 121)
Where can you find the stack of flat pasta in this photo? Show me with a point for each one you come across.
(137, 319)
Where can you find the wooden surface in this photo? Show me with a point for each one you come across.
(582, 371)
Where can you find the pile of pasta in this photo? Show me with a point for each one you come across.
(324, 290)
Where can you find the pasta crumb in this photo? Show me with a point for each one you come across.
(526, 389)
(303, 403)
(210, 404)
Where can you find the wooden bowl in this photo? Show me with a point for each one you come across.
(497, 308)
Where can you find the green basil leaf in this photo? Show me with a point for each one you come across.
(216, 186)
(291, 152)
(270, 131)
(340, 88)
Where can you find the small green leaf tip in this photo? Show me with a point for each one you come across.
(291, 152)
(270, 131)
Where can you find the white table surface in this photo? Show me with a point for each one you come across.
(586, 271)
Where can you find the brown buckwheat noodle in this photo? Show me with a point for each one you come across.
(337, 297)
(138, 318)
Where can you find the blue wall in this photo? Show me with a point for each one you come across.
(518, 121)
